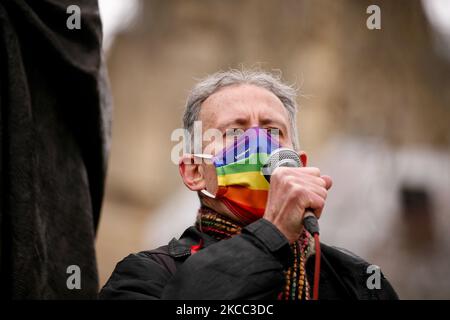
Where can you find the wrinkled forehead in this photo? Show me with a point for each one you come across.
(243, 106)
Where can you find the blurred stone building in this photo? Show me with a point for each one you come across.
(374, 114)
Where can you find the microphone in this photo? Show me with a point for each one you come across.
(285, 157)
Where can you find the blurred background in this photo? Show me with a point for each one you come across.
(374, 114)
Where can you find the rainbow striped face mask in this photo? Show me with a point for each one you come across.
(240, 184)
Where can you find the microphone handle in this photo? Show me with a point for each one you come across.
(310, 222)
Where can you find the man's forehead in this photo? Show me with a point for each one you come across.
(243, 103)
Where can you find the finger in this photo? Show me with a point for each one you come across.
(317, 189)
(306, 178)
(316, 204)
(310, 170)
(328, 181)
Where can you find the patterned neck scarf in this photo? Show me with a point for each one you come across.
(296, 283)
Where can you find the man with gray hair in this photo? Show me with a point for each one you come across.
(249, 240)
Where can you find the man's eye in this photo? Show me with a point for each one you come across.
(234, 132)
(274, 131)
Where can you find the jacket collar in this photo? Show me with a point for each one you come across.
(190, 237)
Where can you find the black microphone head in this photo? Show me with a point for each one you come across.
(282, 157)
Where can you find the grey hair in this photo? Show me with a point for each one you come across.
(212, 83)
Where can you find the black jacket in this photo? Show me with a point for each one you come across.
(248, 266)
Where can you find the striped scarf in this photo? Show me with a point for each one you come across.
(296, 285)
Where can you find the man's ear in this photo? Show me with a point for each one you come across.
(303, 158)
(192, 173)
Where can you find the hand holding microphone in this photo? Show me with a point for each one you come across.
(294, 191)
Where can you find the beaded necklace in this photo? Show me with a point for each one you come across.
(296, 283)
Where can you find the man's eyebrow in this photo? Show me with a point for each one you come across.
(233, 122)
(274, 122)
